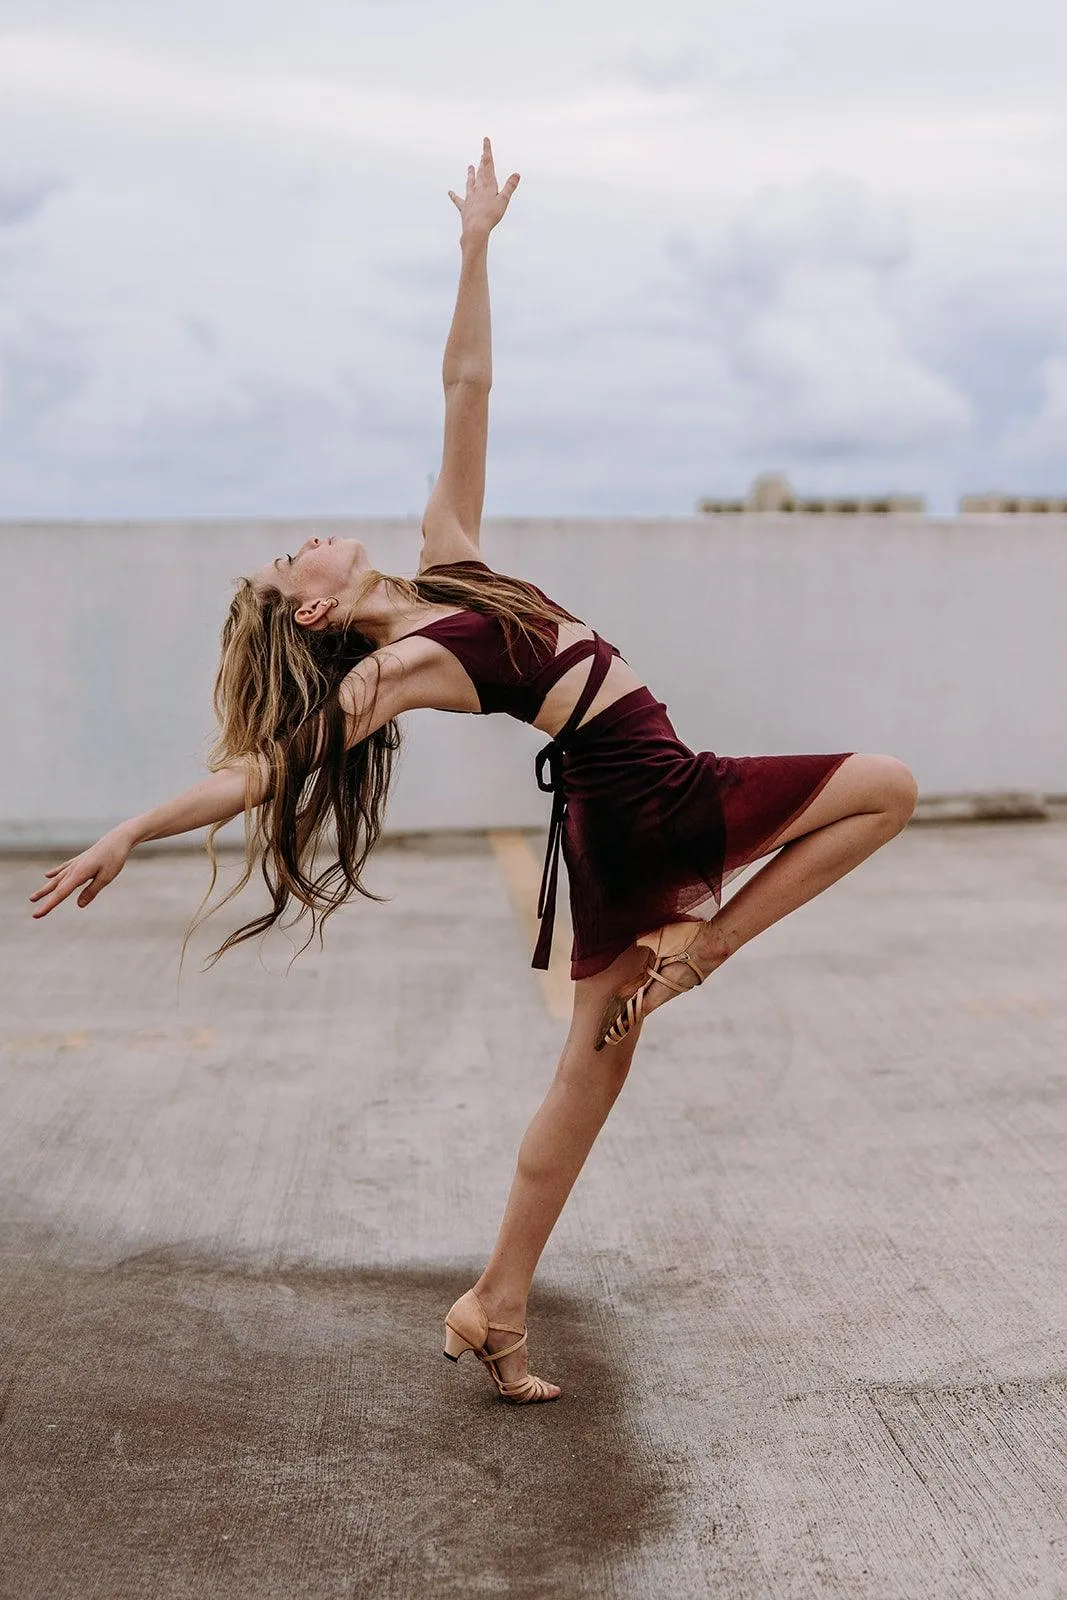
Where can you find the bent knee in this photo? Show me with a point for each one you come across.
(897, 788)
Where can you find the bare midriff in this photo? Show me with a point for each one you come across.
(559, 701)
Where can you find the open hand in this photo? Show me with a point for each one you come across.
(484, 204)
(90, 872)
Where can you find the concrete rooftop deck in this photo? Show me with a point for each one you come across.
(808, 1303)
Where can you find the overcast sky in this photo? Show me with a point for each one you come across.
(829, 239)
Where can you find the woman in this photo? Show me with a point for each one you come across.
(320, 654)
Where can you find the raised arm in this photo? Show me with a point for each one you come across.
(452, 520)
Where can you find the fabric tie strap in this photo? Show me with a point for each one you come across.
(549, 770)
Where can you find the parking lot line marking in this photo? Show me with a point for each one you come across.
(522, 875)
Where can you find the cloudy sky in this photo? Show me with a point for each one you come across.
(829, 239)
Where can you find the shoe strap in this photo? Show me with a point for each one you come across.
(682, 955)
(633, 1013)
(525, 1388)
(497, 1355)
(667, 983)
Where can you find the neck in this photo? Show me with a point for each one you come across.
(384, 616)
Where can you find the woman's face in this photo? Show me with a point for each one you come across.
(320, 570)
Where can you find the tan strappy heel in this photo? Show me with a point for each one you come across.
(467, 1327)
(623, 1012)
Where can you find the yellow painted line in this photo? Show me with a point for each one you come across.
(522, 874)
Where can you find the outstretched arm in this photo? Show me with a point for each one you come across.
(370, 695)
(452, 520)
(217, 798)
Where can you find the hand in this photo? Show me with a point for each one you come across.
(94, 869)
(484, 204)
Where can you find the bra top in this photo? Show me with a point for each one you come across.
(479, 643)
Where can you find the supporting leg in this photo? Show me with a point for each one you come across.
(552, 1154)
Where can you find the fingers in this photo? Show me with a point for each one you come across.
(98, 882)
(51, 872)
(490, 172)
(485, 176)
(58, 894)
(65, 885)
(46, 888)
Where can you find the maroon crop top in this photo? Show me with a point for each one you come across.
(517, 687)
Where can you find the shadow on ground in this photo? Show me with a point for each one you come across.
(177, 1426)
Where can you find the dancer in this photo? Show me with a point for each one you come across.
(321, 652)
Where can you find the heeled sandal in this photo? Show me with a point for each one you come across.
(623, 1012)
(467, 1327)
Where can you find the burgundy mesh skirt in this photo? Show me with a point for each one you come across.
(653, 828)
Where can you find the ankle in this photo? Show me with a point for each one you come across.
(503, 1302)
(716, 946)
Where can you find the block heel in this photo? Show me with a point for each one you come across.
(455, 1344)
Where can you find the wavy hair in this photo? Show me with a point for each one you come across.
(277, 699)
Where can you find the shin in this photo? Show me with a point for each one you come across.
(555, 1146)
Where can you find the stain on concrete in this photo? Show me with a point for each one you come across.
(187, 1427)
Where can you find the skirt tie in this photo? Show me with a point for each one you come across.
(549, 771)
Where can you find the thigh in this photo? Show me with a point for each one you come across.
(861, 785)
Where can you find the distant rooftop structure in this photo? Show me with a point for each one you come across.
(772, 491)
(995, 500)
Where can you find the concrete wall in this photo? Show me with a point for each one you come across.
(940, 640)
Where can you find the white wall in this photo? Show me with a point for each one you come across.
(939, 640)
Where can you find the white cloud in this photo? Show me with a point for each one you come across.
(229, 263)
(22, 198)
(1042, 437)
(797, 290)
(122, 84)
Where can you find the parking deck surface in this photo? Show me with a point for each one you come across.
(808, 1302)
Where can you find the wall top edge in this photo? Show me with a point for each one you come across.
(709, 521)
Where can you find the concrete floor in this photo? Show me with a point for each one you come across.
(808, 1303)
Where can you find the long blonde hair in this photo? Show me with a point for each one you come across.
(277, 699)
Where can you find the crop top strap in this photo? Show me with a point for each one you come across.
(602, 653)
(557, 666)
